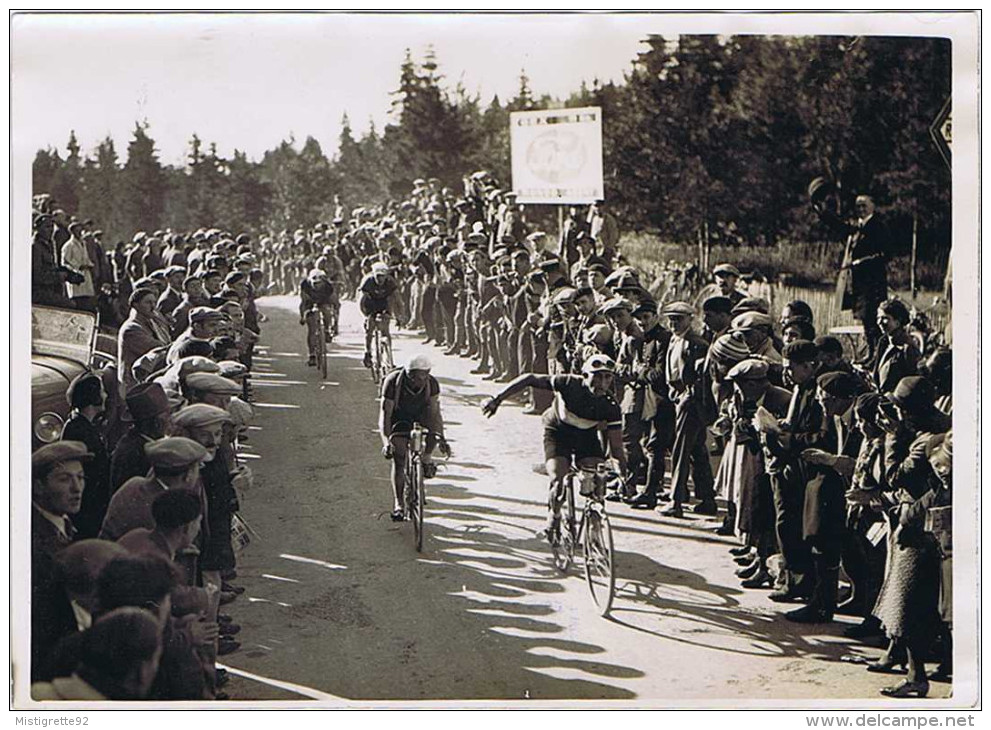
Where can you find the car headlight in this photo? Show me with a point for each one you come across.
(48, 427)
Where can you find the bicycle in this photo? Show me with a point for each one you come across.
(414, 497)
(316, 337)
(382, 362)
(593, 530)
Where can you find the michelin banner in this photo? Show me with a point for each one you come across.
(557, 155)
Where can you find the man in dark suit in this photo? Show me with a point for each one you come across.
(685, 385)
(148, 410)
(57, 483)
(863, 283)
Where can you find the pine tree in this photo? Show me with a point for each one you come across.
(144, 183)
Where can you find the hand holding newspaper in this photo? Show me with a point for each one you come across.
(765, 422)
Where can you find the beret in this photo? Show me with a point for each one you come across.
(679, 309)
(749, 369)
(718, 303)
(200, 415)
(751, 304)
(839, 384)
(726, 269)
(174, 452)
(84, 389)
(564, 295)
(212, 383)
(750, 320)
(204, 314)
(800, 351)
(140, 293)
(58, 452)
(615, 304)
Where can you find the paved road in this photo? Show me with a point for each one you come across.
(339, 605)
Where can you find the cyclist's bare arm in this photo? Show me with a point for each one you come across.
(385, 420)
(527, 380)
(614, 438)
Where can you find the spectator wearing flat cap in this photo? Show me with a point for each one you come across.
(604, 230)
(724, 280)
(783, 446)
(148, 411)
(206, 424)
(742, 477)
(574, 224)
(172, 296)
(756, 328)
(831, 459)
(57, 485)
(204, 324)
(175, 464)
(87, 398)
(48, 276)
(141, 332)
(716, 316)
(685, 355)
(831, 358)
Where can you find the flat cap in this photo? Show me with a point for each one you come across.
(718, 303)
(645, 305)
(212, 383)
(234, 277)
(839, 384)
(914, 394)
(174, 452)
(729, 349)
(751, 304)
(564, 295)
(726, 269)
(58, 452)
(750, 320)
(749, 369)
(175, 269)
(231, 369)
(616, 304)
(681, 309)
(800, 351)
(204, 314)
(200, 415)
(550, 265)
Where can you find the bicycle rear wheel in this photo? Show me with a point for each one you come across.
(563, 547)
(597, 546)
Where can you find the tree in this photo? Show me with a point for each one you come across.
(144, 183)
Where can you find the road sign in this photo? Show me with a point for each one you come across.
(557, 155)
(941, 132)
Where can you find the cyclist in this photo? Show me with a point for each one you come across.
(376, 291)
(332, 267)
(583, 404)
(317, 290)
(410, 395)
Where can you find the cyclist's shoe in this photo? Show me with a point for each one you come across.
(312, 360)
(367, 360)
(397, 515)
(551, 531)
(429, 470)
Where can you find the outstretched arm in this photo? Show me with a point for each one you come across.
(523, 381)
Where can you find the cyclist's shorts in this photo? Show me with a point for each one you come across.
(567, 441)
(371, 306)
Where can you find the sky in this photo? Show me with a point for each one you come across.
(249, 81)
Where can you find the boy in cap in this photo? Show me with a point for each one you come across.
(686, 351)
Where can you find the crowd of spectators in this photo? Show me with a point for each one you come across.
(833, 475)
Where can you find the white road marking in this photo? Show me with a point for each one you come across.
(253, 599)
(313, 561)
(279, 577)
(290, 686)
(276, 405)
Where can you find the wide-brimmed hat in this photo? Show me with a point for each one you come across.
(145, 401)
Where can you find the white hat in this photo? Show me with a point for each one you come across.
(419, 362)
(380, 266)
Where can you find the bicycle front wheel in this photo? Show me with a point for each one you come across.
(321, 347)
(597, 546)
(417, 504)
(385, 357)
(376, 361)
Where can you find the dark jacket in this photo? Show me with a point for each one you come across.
(96, 495)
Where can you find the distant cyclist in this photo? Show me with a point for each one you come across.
(410, 395)
(316, 289)
(583, 405)
(376, 291)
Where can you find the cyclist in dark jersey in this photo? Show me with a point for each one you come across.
(375, 293)
(410, 395)
(583, 405)
(316, 289)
